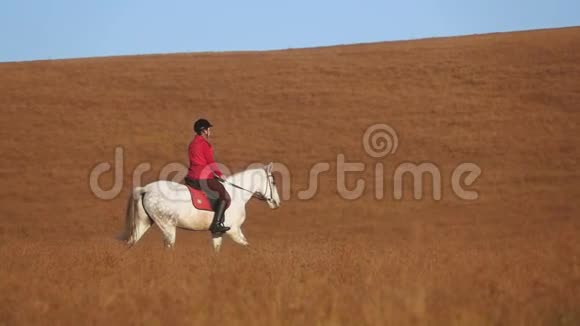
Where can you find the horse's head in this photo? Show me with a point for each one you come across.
(259, 182)
(270, 192)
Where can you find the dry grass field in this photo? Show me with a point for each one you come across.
(508, 102)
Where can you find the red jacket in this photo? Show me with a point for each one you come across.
(201, 161)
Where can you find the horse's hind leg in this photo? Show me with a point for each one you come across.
(168, 230)
(162, 215)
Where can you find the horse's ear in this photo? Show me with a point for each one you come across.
(269, 167)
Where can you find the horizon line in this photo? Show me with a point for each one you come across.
(242, 51)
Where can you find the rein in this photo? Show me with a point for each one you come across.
(256, 195)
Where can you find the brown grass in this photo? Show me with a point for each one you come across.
(509, 102)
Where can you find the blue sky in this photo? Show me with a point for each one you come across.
(31, 30)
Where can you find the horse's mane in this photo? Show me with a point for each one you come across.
(237, 177)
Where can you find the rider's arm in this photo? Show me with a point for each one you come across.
(211, 162)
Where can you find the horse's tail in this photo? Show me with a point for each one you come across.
(131, 224)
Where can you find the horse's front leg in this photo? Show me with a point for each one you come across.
(237, 235)
(217, 242)
(243, 237)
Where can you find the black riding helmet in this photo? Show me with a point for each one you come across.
(201, 125)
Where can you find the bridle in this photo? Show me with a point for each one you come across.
(257, 195)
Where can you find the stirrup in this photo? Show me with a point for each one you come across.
(219, 229)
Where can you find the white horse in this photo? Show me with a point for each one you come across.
(168, 204)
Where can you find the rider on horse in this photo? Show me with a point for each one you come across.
(205, 174)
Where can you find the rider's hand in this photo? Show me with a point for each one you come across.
(220, 179)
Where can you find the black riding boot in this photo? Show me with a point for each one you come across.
(217, 224)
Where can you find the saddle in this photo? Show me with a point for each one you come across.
(201, 199)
